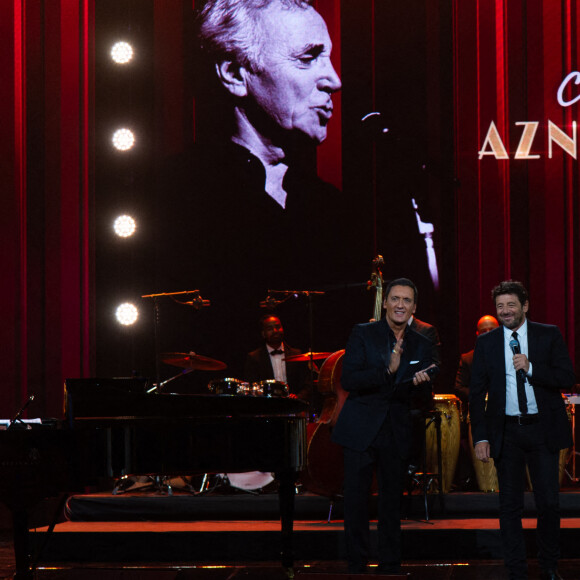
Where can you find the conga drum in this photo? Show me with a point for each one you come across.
(450, 408)
(485, 473)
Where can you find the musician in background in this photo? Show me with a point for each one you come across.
(464, 474)
(269, 361)
(463, 376)
(384, 369)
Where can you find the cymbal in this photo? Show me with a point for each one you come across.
(190, 360)
(306, 356)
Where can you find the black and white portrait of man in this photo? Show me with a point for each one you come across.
(244, 210)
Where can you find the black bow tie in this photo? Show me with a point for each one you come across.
(276, 351)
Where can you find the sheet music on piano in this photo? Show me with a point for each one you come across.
(28, 422)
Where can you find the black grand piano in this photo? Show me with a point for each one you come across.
(113, 428)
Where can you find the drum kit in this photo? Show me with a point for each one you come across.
(254, 482)
(235, 387)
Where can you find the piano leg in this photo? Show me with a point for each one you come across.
(21, 544)
(286, 492)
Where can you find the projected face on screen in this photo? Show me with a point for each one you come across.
(274, 58)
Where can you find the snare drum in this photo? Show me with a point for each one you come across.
(270, 388)
(229, 386)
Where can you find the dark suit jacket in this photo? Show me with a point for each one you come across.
(259, 368)
(372, 393)
(552, 371)
(431, 333)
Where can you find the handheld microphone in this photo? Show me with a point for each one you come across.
(515, 346)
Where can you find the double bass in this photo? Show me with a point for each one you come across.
(324, 471)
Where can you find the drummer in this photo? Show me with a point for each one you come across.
(463, 376)
(269, 360)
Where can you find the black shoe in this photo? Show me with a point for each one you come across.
(551, 575)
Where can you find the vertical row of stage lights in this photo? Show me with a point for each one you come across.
(125, 225)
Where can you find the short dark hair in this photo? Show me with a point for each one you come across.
(510, 287)
(402, 282)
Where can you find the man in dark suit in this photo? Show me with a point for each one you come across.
(384, 368)
(521, 367)
(269, 361)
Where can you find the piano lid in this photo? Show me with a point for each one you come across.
(106, 401)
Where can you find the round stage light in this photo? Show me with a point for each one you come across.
(123, 139)
(125, 226)
(127, 314)
(122, 52)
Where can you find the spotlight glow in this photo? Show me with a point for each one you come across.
(124, 226)
(127, 314)
(122, 52)
(123, 139)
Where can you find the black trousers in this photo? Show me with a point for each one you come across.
(358, 475)
(525, 444)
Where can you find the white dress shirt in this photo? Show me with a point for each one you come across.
(278, 363)
(511, 400)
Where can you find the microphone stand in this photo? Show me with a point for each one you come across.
(156, 341)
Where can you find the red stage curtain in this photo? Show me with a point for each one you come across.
(515, 218)
(45, 295)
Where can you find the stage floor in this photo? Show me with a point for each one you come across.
(234, 536)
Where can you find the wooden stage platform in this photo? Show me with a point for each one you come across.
(225, 529)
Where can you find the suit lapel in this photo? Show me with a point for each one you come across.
(498, 353)
(409, 342)
(380, 338)
(533, 347)
(532, 342)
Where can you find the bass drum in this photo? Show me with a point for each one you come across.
(249, 481)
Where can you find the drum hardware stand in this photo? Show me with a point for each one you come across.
(157, 483)
(331, 507)
(158, 387)
(573, 399)
(197, 302)
(423, 479)
(309, 294)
